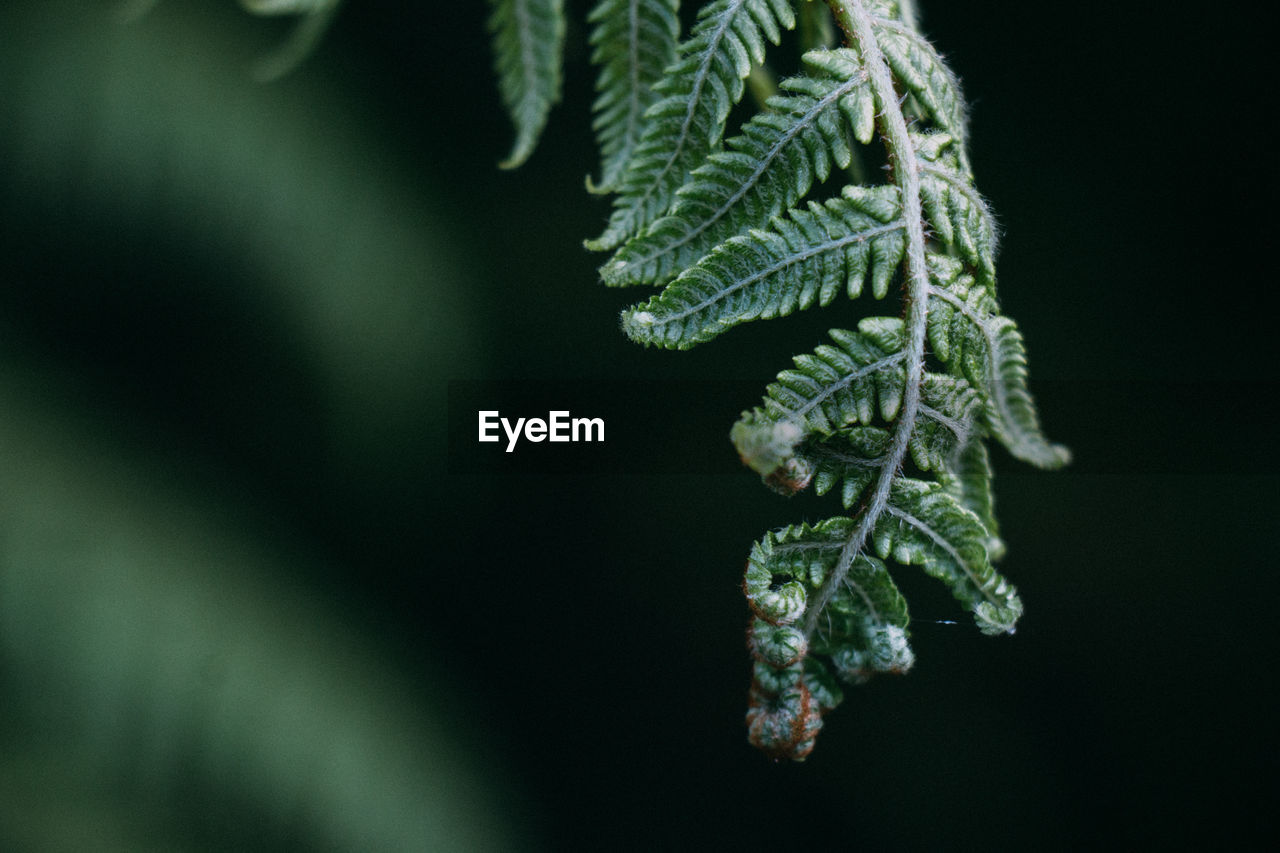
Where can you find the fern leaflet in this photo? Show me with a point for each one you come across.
(917, 66)
(696, 95)
(806, 257)
(528, 40)
(967, 476)
(924, 525)
(965, 327)
(634, 41)
(779, 155)
(953, 207)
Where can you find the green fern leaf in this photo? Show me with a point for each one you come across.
(921, 71)
(806, 257)
(814, 424)
(965, 328)
(945, 423)
(968, 478)
(863, 630)
(634, 41)
(958, 215)
(788, 566)
(839, 385)
(777, 158)
(528, 40)
(850, 458)
(696, 93)
(924, 525)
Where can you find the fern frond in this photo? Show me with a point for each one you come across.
(864, 632)
(777, 158)
(967, 476)
(958, 214)
(836, 386)
(851, 458)
(634, 41)
(924, 525)
(965, 328)
(947, 527)
(893, 415)
(918, 67)
(804, 258)
(528, 40)
(696, 93)
(815, 421)
(945, 423)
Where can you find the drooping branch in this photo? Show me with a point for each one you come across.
(854, 20)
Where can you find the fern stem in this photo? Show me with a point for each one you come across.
(855, 21)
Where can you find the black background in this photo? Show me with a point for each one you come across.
(588, 617)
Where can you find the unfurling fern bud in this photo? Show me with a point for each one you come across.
(777, 645)
(887, 651)
(863, 631)
(769, 447)
(784, 724)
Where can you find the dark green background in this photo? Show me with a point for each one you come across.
(587, 628)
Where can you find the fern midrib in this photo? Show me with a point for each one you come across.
(527, 61)
(634, 106)
(806, 121)
(695, 95)
(855, 21)
(773, 269)
(957, 428)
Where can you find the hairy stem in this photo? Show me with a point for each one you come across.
(853, 18)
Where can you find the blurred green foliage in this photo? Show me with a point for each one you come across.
(173, 672)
